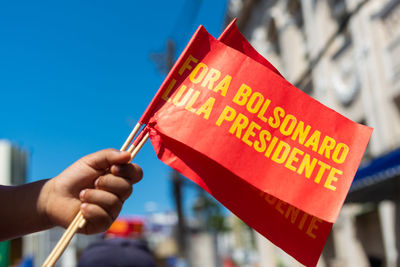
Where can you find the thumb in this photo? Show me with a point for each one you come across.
(104, 159)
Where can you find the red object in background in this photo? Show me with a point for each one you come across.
(199, 125)
(126, 227)
(228, 262)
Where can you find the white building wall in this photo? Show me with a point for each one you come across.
(5, 162)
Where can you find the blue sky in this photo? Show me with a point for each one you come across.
(75, 76)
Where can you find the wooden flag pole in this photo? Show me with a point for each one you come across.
(139, 146)
(131, 136)
(62, 244)
(79, 222)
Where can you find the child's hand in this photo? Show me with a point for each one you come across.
(97, 184)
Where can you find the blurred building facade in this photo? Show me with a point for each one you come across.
(345, 54)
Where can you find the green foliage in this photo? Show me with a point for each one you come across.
(209, 212)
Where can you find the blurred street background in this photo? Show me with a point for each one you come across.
(75, 77)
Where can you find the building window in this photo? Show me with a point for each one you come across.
(294, 8)
(397, 101)
(273, 36)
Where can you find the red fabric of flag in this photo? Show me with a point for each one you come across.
(278, 159)
(299, 234)
(232, 37)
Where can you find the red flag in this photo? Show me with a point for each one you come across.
(232, 37)
(275, 157)
(299, 234)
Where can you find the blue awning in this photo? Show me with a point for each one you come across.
(379, 169)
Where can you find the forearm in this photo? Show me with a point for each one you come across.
(22, 210)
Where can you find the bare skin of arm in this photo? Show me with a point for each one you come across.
(97, 184)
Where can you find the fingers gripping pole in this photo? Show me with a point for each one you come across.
(79, 222)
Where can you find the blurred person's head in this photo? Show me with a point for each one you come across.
(117, 252)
